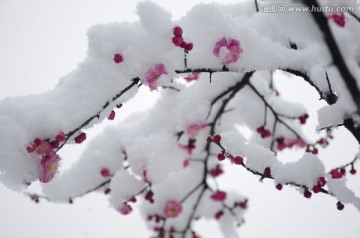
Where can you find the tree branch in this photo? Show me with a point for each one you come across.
(334, 50)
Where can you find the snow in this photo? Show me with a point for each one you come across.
(147, 148)
(305, 171)
(341, 192)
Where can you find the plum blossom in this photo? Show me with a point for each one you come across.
(219, 196)
(337, 173)
(41, 147)
(178, 31)
(191, 77)
(49, 162)
(105, 172)
(216, 171)
(218, 215)
(283, 143)
(338, 18)
(172, 209)
(49, 167)
(189, 147)
(263, 132)
(153, 75)
(118, 58)
(80, 138)
(60, 137)
(177, 40)
(125, 209)
(146, 176)
(111, 115)
(186, 163)
(227, 50)
(193, 129)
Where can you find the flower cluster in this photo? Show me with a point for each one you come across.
(283, 143)
(337, 173)
(178, 40)
(263, 132)
(49, 162)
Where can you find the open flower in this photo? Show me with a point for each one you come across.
(41, 147)
(153, 75)
(49, 167)
(227, 50)
(172, 208)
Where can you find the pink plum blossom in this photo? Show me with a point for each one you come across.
(218, 215)
(193, 129)
(186, 163)
(153, 74)
(146, 176)
(177, 40)
(263, 132)
(192, 76)
(216, 138)
(189, 46)
(125, 209)
(338, 18)
(41, 147)
(49, 167)
(217, 171)
(189, 147)
(60, 137)
(337, 173)
(227, 50)
(284, 143)
(111, 115)
(219, 196)
(118, 58)
(178, 31)
(172, 209)
(321, 181)
(105, 172)
(80, 138)
(238, 160)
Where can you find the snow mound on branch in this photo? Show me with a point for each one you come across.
(305, 171)
(338, 188)
(123, 187)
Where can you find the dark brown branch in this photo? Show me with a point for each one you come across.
(233, 91)
(353, 15)
(204, 70)
(329, 97)
(277, 118)
(264, 176)
(135, 81)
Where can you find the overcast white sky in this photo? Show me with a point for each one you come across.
(42, 40)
